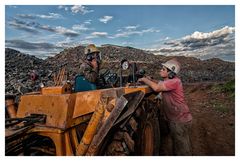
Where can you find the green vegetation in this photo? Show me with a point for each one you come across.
(220, 107)
(228, 87)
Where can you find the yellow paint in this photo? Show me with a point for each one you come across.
(144, 89)
(91, 128)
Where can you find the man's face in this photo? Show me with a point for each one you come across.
(97, 56)
(164, 72)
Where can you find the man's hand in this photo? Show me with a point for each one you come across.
(148, 77)
(142, 79)
(155, 86)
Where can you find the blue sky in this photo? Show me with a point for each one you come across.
(193, 30)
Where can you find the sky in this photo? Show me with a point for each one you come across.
(202, 31)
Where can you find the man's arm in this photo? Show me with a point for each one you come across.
(89, 73)
(91, 76)
(153, 80)
(157, 87)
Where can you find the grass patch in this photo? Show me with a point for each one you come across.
(220, 107)
(228, 87)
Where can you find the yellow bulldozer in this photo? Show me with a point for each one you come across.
(61, 121)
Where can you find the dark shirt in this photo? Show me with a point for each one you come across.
(88, 72)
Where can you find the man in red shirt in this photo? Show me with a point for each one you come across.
(175, 109)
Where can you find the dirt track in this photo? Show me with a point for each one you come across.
(213, 129)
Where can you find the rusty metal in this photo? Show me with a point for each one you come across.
(136, 98)
(148, 139)
(62, 110)
(14, 147)
(73, 139)
(57, 108)
(10, 106)
(21, 125)
(144, 89)
(107, 97)
(64, 89)
(86, 101)
(17, 131)
(129, 141)
(58, 79)
(111, 105)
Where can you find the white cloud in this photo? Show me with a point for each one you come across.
(63, 7)
(126, 34)
(60, 7)
(105, 19)
(167, 38)
(88, 22)
(50, 16)
(97, 34)
(81, 27)
(225, 52)
(215, 34)
(131, 30)
(65, 31)
(34, 16)
(131, 27)
(68, 42)
(80, 9)
(219, 43)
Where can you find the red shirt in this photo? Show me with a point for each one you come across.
(175, 107)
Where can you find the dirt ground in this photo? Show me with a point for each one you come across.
(213, 128)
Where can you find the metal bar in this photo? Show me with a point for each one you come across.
(74, 139)
(12, 123)
(99, 137)
(91, 128)
(11, 135)
(121, 78)
(133, 72)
